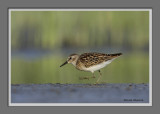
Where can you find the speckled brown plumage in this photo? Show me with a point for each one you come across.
(90, 59)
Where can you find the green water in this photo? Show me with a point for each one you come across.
(129, 68)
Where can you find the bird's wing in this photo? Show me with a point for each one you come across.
(91, 59)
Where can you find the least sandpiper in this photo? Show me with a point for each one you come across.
(91, 61)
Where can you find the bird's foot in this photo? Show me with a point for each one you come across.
(95, 83)
(93, 77)
(82, 78)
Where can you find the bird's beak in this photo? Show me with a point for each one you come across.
(64, 64)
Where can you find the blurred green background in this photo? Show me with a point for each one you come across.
(42, 40)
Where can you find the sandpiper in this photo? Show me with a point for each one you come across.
(91, 61)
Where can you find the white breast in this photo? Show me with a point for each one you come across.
(99, 66)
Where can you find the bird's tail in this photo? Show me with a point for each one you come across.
(114, 55)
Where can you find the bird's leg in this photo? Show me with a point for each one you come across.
(93, 75)
(81, 78)
(99, 76)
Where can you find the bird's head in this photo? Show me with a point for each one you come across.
(71, 59)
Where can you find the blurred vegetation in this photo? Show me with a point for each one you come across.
(58, 29)
(57, 34)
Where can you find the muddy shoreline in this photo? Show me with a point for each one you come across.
(79, 93)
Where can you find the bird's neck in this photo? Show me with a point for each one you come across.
(75, 61)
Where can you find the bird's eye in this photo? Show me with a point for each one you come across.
(70, 58)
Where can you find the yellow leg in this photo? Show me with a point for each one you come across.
(93, 76)
(99, 76)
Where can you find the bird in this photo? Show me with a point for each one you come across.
(91, 62)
